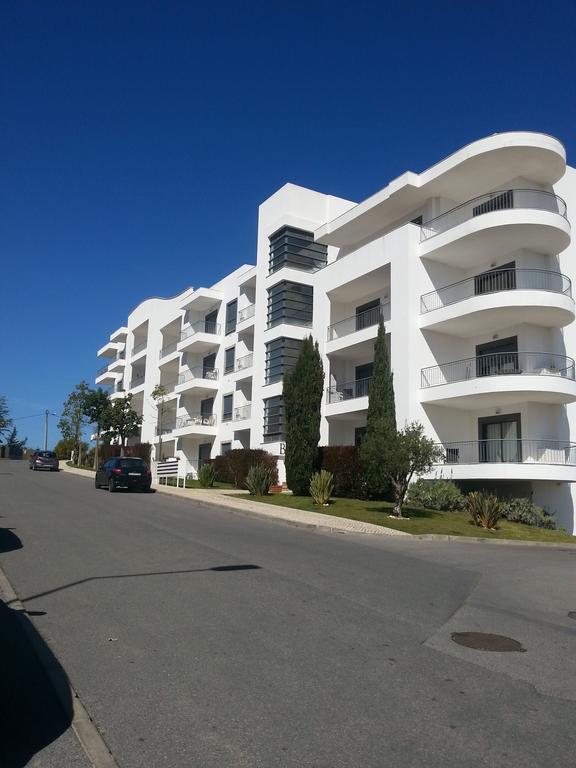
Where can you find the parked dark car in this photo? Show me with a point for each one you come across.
(124, 473)
(44, 460)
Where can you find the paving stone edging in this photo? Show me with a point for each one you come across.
(317, 520)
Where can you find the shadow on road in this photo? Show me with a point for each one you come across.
(8, 540)
(31, 716)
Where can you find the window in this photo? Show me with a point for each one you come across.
(274, 419)
(231, 315)
(368, 314)
(229, 357)
(359, 435)
(295, 248)
(281, 357)
(225, 448)
(499, 202)
(499, 279)
(500, 439)
(227, 407)
(497, 357)
(290, 303)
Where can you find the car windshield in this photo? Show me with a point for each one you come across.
(132, 464)
(47, 454)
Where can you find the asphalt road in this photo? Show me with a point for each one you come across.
(334, 652)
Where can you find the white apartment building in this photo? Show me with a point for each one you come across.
(471, 265)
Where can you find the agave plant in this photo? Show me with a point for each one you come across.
(484, 508)
(321, 484)
(259, 479)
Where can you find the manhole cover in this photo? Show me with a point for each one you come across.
(572, 614)
(482, 641)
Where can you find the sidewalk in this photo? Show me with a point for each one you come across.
(240, 502)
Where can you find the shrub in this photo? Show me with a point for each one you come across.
(206, 475)
(524, 511)
(321, 484)
(233, 466)
(259, 479)
(436, 494)
(484, 508)
(343, 462)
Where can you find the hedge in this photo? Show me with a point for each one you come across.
(233, 466)
(343, 461)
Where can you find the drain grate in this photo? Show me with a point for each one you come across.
(482, 641)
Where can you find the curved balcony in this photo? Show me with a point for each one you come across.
(502, 221)
(499, 298)
(500, 379)
(539, 459)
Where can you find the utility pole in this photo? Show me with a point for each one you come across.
(46, 414)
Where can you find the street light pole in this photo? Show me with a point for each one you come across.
(46, 414)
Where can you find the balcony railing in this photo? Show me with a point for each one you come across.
(502, 200)
(349, 391)
(242, 412)
(139, 347)
(510, 452)
(169, 386)
(495, 281)
(102, 370)
(201, 326)
(359, 322)
(136, 380)
(201, 372)
(498, 364)
(246, 313)
(196, 420)
(168, 349)
(244, 362)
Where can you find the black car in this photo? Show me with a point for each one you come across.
(124, 473)
(44, 460)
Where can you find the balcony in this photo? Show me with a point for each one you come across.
(539, 459)
(168, 349)
(105, 376)
(347, 399)
(242, 413)
(356, 330)
(140, 347)
(137, 380)
(246, 314)
(492, 300)
(243, 366)
(503, 221)
(500, 379)
(203, 334)
(200, 379)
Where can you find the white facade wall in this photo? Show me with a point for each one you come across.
(376, 252)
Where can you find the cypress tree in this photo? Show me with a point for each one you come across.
(380, 420)
(303, 389)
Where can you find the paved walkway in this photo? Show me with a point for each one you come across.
(238, 501)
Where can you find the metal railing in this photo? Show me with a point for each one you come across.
(201, 326)
(246, 313)
(358, 322)
(242, 412)
(493, 282)
(196, 420)
(349, 390)
(168, 349)
(246, 361)
(170, 386)
(201, 372)
(509, 452)
(136, 380)
(501, 200)
(102, 370)
(139, 347)
(498, 364)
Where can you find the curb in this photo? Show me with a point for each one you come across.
(380, 530)
(88, 735)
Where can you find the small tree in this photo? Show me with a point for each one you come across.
(64, 448)
(5, 420)
(122, 421)
(380, 420)
(159, 396)
(303, 388)
(13, 440)
(96, 405)
(73, 417)
(409, 453)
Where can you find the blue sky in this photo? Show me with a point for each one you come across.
(138, 139)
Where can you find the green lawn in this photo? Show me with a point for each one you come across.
(421, 520)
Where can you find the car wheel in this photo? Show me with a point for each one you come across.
(34, 467)
(96, 483)
(111, 485)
